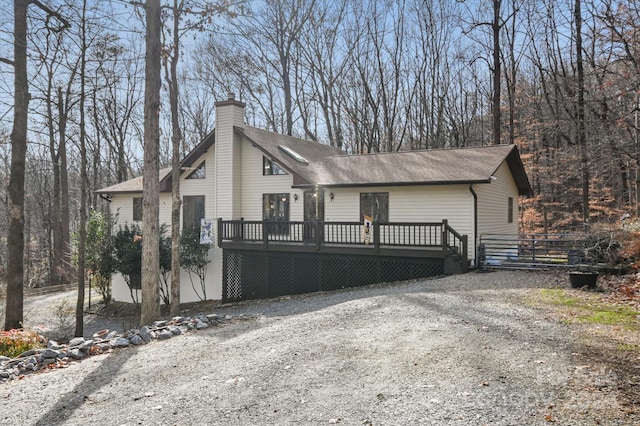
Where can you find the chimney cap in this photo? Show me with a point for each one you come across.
(231, 100)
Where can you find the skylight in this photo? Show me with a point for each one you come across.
(291, 153)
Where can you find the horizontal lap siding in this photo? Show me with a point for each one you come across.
(410, 204)
(493, 203)
(122, 205)
(254, 184)
(204, 186)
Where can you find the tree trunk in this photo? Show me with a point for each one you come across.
(581, 133)
(495, 104)
(82, 231)
(15, 237)
(62, 250)
(176, 139)
(150, 306)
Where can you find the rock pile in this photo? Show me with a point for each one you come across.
(60, 355)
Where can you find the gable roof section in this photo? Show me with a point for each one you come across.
(134, 185)
(428, 167)
(189, 160)
(131, 186)
(270, 144)
(331, 167)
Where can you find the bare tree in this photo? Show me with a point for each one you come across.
(581, 132)
(171, 76)
(82, 228)
(150, 306)
(15, 238)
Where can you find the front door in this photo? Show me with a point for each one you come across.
(313, 211)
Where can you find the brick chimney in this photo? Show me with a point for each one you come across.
(228, 158)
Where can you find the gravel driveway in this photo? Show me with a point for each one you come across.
(459, 350)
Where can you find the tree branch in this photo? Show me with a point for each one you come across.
(52, 13)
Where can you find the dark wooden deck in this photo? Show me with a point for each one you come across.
(409, 239)
(263, 259)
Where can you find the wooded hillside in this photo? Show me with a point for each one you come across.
(558, 78)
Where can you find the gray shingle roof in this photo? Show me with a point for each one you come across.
(330, 166)
(132, 185)
(432, 167)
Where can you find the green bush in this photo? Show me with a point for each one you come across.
(127, 254)
(194, 257)
(99, 253)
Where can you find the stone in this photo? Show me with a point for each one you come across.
(103, 346)
(158, 324)
(137, 340)
(177, 320)
(120, 342)
(86, 346)
(201, 325)
(147, 334)
(25, 354)
(111, 335)
(50, 354)
(164, 335)
(176, 331)
(202, 318)
(76, 341)
(4, 358)
(5, 374)
(130, 333)
(48, 361)
(76, 354)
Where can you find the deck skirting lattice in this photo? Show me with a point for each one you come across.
(259, 274)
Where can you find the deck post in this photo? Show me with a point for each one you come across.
(316, 224)
(444, 235)
(376, 235)
(219, 232)
(465, 247)
(265, 232)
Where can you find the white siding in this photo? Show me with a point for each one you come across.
(120, 290)
(228, 164)
(204, 186)
(410, 204)
(124, 204)
(254, 184)
(493, 204)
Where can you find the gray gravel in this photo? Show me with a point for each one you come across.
(459, 350)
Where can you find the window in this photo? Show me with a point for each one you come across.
(192, 211)
(510, 210)
(275, 207)
(137, 209)
(199, 173)
(270, 168)
(376, 205)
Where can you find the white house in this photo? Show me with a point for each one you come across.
(288, 209)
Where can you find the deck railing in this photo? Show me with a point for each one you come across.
(320, 233)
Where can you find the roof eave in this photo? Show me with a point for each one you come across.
(368, 184)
